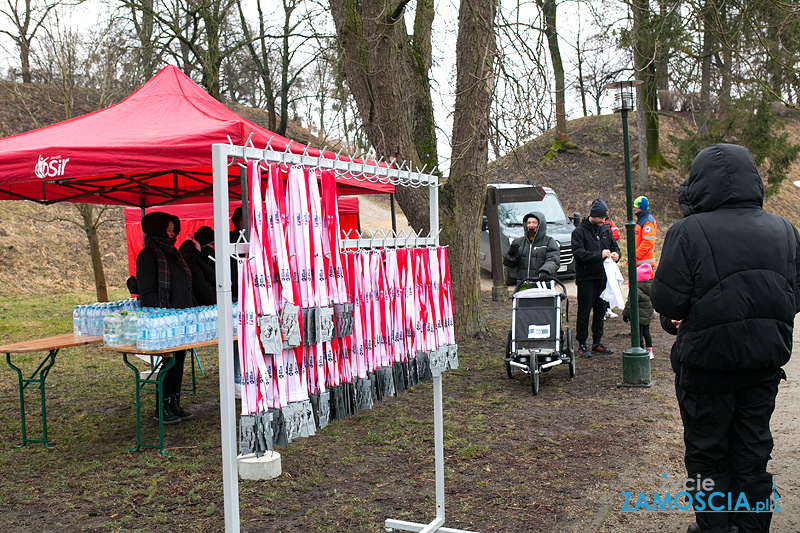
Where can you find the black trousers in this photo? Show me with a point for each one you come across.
(173, 379)
(645, 339)
(728, 440)
(589, 301)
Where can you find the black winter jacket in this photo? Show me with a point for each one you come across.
(203, 274)
(588, 243)
(543, 255)
(180, 289)
(730, 272)
(645, 305)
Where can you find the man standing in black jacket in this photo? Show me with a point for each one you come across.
(727, 285)
(592, 243)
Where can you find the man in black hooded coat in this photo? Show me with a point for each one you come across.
(727, 285)
(535, 255)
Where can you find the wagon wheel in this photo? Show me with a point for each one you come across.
(570, 352)
(533, 369)
(509, 356)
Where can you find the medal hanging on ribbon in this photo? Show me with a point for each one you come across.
(359, 352)
(379, 309)
(286, 293)
(410, 312)
(395, 320)
(447, 297)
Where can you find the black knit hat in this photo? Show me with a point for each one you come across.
(204, 235)
(598, 209)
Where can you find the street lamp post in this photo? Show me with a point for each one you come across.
(635, 360)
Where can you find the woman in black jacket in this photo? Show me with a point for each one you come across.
(165, 281)
(196, 253)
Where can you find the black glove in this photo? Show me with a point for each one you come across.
(513, 249)
(543, 276)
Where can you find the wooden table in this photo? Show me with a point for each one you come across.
(154, 384)
(51, 345)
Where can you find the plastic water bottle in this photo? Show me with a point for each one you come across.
(206, 321)
(214, 322)
(235, 318)
(130, 327)
(111, 329)
(142, 332)
(76, 320)
(191, 326)
(158, 331)
(180, 326)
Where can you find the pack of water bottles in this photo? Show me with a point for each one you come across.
(159, 329)
(89, 319)
(126, 323)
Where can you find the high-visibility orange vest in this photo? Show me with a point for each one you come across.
(645, 232)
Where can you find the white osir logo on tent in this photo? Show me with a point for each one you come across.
(48, 167)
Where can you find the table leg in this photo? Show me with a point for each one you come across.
(193, 355)
(23, 383)
(157, 384)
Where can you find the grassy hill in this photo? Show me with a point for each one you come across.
(42, 252)
(595, 169)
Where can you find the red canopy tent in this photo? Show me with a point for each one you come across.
(153, 148)
(193, 216)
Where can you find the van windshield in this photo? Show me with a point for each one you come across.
(511, 214)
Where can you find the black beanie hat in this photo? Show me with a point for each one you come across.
(204, 235)
(599, 209)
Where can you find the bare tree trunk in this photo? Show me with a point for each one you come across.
(548, 9)
(705, 66)
(464, 194)
(369, 34)
(90, 227)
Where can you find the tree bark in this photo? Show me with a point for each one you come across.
(548, 9)
(373, 44)
(464, 194)
(90, 227)
(705, 66)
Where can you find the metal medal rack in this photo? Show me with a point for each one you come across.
(225, 155)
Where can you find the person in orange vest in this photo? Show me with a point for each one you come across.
(645, 233)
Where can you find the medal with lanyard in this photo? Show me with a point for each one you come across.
(257, 389)
(447, 297)
(379, 309)
(359, 352)
(395, 320)
(296, 389)
(367, 318)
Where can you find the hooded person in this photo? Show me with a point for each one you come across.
(534, 255)
(727, 286)
(165, 281)
(197, 253)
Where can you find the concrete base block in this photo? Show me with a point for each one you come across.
(268, 466)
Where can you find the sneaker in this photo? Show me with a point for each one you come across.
(651, 353)
(583, 351)
(611, 314)
(599, 348)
